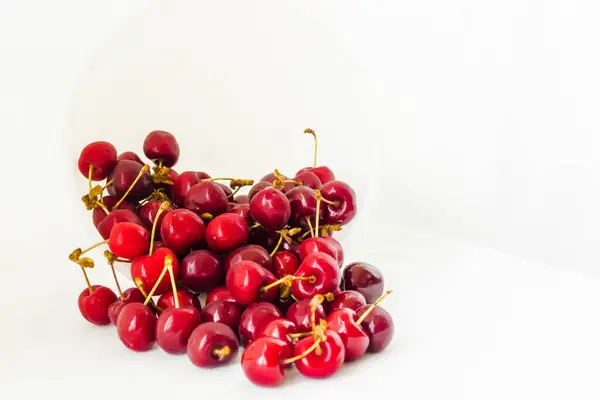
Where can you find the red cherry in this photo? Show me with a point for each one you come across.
(354, 337)
(185, 297)
(379, 325)
(225, 232)
(245, 280)
(174, 328)
(219, 293)
(303, 203)
(299, 313)
(115, 217)
(242, 199)
(128, 240)
(212, 344)
(201, 271)
(254, 319)
(161, 146)
(124, 174)
(225, 312)
(182, 185)
(131, 295)
(323, 173)
(131, 156)
(94, 306)
(243, 210)
(284, 263)
(365, 279)
(148, 270)
(344, 209)
(136, 327)
(321, 365)
(326, 275)
(181, 230)
(102, 156)
(350, 299)
(270, 208)
(148, 213)
(279, 329)
(98, 214)
(261, 361)
(250, 252)
(309, 180)
(226, 189)
(259, 186)
(327, 245)
(206, 197)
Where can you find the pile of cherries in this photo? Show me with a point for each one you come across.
(267, 262)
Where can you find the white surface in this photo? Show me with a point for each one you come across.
(479, 123)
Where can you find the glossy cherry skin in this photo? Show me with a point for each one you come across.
(174, 328)
(225, 312)
(201, 271)
(98, 214)
(279, 329)
(323, 173)
(149, 268)
(303, 203)
(131, 295)
(245, 280)
(293, 247)
(259, 186)
(242, 199)
(270, 208)
(219, 293)
(208, 338)
(342, 193)
(226, 232)
(131, 156)
(254, 319)
(182, 185)
(226, 189)
(379, 325)
(325, 364)
(270, 178)
(181, 230)
(186, 299)
(261, 361)
(124, 173)
(94, 307)
(309, 180)
(350, 299)
(299, 314)
(115, 217)
(365, 279)
(327, 245)
(128, 240)
(136, 327)
(285, 263)
(243, 210)
(161, 146)
(326, 272)
(102, 156)
(148, 213)
(354, 337)
(250, 252)
(206, 197)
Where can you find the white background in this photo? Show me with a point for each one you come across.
(469, 129)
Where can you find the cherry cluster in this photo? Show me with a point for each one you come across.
(267, 262)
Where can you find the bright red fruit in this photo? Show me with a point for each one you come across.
(149, 268)
(225, 232)
(245, 281)
(326, 275)
(261, 361)
(161, 146)
(136, 327)
(174, 328)
(102, 156)
(320, 365)
(181, 230)
(94, 306)
(356, 340)
(128, 240)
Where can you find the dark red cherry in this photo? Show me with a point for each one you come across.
(102, 156)
(345, 208)
(264, 238)
(201, 271)
(279, 329)
(309, 180)
(94, 306)
(324, 364)
(323, 173)
(148, 213)
(284, 304)
(259, 186)
(131, 295)
(226, 189)
(243, 210)
(327, 245)
(174, 328)
(124, 174)
(182, 185)
(250, 252)
(354, 337)
(365, 279)
(128, 240)
(225, 312)
(98, 214)
(181, 230)
(161, 146)
(242, 199)
(326, 275)
(226, 232)
(299, 313)
(136, 327)
(284, 263)
(350, 299)
(379, 325)
(270, 208)
(219, 293)
(254, 319)
(261, 361)
(149, 268)
(206, 197)
(293, 247)
(245, 281)
(131, 156)
(185, 297)
(303, 203)
(212, 344)
(115, 217)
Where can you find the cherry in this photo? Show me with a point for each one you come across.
(246, 279)
(97, 160)
(206, 198)
(219, 293)
(292, 247)
(250, 252)
(226, 189)
(270, 208)
(284, 263)
(181, 230)
(303, 204)
(201, 271)
(131, 156)
(148, 269)
(136, 327)
(300, 314)
(242, 199)
(182, 185)
(94, 303)
(379, 325)
(281, 329)
(243, 210)
(365, 279)
(264, 238)
(99, 213)
(322, 363)
(161, 146)
(254, 319)
(131, 295)
(340, 207)
(259, 186)
(212, 344)
(350, 299)
(174, 328)
(261, 361)
(327, 245)
(148, 213)
(309, 180)
(115, 217)
(131, 180)
(355, 339)
(185, 297)
(325, 272)
(225, 232)
(225, 312)
(128, 240)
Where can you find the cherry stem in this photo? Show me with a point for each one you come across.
(299, 335)
(93, 247)
(372, 307)
(305, 353)
(168, 264)
(114, 274)
(277, 245)
(314, 302)
(90, 176)
(233, 182)
(287, 280)
(173, 286)
(87, 280)
(312, 233)
(256, 225)
(144, 170)
(99, 204)
(311, 132)
(234, 192)
(221, 353)
(319, 198)
(163, 207)
(207, 216)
